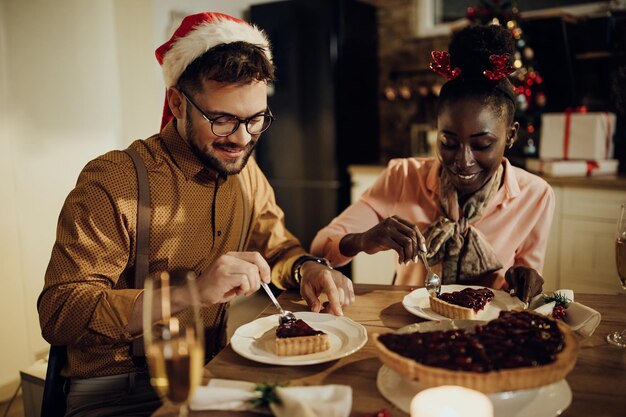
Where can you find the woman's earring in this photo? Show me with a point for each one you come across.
(509, 144)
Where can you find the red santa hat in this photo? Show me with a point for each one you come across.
(196, 35)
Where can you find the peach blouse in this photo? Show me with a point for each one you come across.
(516, 221)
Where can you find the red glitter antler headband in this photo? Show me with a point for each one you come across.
(442, 65)
(500, 67)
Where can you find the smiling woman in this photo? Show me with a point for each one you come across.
(471, 144)
(482, 221)
(475, 116)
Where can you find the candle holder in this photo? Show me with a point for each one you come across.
(451, 401)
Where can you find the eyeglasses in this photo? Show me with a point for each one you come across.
(226, 124)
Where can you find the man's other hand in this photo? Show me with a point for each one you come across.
(318, 279)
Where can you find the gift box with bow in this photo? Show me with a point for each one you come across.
(577, 134)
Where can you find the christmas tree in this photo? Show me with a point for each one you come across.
(530, 98)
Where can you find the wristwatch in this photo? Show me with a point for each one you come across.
(297, 265)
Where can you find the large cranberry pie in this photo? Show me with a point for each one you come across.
(464, 304)
(518, 350)
(296, 337)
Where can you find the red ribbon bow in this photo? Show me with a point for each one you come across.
(500, 67)
(566, 132)
(591, 166)
(442, 65)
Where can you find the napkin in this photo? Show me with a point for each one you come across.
(580, 318)
(309, 401)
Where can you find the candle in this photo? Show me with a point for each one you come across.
(451, 401)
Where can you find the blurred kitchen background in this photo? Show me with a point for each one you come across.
(78, 78)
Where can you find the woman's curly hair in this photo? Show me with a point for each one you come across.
(470, 49)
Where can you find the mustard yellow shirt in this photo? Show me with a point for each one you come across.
(196, 216)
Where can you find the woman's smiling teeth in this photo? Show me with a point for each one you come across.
(467, 177)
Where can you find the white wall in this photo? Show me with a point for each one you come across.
(77, 78)
(61, 104)
(14, 324)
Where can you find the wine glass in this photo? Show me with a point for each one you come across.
(173, 336)
(618, 337)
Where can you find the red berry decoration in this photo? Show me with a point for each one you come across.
(562, 302)
(558, 312)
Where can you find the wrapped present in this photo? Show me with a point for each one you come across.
(572, 167)
(577, 135)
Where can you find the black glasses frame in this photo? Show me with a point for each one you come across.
(239, 120)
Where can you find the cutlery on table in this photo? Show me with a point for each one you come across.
(432, 282)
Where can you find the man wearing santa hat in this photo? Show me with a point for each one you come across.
(211, 211)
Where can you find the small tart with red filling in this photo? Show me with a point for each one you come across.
(464, 304)
(296, 337)
(518, 350)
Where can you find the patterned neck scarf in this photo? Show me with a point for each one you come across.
(451, 239)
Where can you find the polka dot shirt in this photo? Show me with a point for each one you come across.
(196, 216)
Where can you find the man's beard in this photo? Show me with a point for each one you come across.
(208, 158)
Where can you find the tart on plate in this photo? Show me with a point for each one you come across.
(518, 350)
(296, 337)
(464, 304)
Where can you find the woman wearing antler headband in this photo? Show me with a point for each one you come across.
(481, 220)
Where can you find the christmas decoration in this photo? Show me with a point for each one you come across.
(562, 303)
(500, 67)
(442, 65)
(268, 394)
(527, 81)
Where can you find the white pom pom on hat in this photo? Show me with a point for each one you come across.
(196, 35)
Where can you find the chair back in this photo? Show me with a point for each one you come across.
(53, 403)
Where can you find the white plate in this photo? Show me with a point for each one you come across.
(417, 302)
(256, 339)
(547, 401)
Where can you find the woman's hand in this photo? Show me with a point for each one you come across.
(393, 233)
(524, 282)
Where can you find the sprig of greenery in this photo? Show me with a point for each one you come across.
(268, 394)
(560, 299)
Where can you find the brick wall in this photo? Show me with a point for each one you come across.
(403, 67)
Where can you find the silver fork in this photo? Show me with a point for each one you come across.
(432, 282)
(285, 315)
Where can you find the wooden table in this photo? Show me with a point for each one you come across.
(598, 381)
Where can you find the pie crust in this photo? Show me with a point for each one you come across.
(508, 379)
(302, 345)
(296, 337)
(455, 311)
(451, 311)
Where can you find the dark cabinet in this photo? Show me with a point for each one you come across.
(325, 103)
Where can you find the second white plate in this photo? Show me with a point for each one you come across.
(418, 302)
(255, 340)
(546, 401)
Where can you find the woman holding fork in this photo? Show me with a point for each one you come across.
(479, 219)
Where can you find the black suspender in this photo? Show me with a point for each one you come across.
(142, 249)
